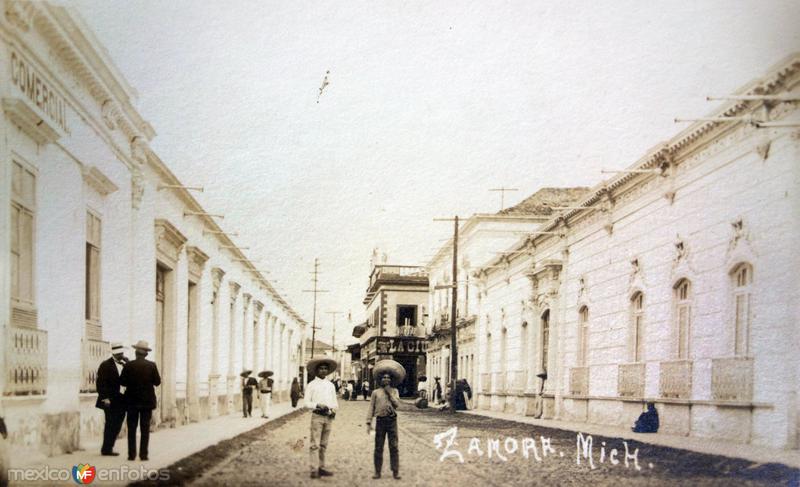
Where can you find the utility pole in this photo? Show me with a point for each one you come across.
(502, 191)
(453, 307)
(314, 315)
(333, 335)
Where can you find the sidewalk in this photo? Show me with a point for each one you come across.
(167, 446)
(753, 453)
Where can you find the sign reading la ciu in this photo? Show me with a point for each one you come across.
(390, 345)
(38, 91)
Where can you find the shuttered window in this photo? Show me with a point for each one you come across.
(23, 211)
(93, 232)
(742, 279)
(683, 317)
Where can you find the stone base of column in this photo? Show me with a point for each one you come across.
(213, 403)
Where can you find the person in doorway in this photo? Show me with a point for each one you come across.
(321, 400)
(294, 392)
(365, 389)
(248, 385)
(383, 407)
(140, 378)
(109, 397)
(265, 392)
(648, 420)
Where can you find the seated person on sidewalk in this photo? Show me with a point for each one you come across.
(648, 420)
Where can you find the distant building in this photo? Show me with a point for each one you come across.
(396, 302)
(480, 239)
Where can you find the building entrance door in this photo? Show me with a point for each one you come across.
(408, 387)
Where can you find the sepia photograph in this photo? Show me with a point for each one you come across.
(427, 243)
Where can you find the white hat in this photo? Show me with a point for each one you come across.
(117, 347)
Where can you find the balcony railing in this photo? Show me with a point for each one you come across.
(93, 352)
(486, 383)
(390, 271)
(26, 361)
(675, 380)
(499, 381)
(579, 381)
(630, 380)
(516, 380)
(732, 379)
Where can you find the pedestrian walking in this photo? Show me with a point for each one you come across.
(140, 378)
(383, 407)
(265, 392)
(365, 389)
(321, 399)
(462, 396)
(248, 386)
(109, 397)
(294, 392)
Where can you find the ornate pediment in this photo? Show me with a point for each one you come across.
(169, 242)
(545, 281)
(216, 277)
(197, 260)
(98, 181)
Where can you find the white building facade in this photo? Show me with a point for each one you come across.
(675, 283)
(101, 243)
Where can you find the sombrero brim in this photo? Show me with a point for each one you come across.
(265, 373)
(391, 367)
(245, 373)
(316, 362)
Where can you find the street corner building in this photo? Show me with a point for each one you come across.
(672, 282)
(395, 301)
(100, 242)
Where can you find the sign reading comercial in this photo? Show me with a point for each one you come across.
(25, 77)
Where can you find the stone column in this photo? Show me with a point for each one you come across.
(213, 378)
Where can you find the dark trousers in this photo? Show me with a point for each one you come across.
(247, 403)
(114, 419)
(140, 417)
(383, 427)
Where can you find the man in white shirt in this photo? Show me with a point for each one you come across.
(321, 400)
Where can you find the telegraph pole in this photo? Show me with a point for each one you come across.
(453, 307)
(314, 315)
(502, 191)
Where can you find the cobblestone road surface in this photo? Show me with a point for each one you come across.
(278, 455)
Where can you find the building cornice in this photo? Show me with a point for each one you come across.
(783, 77)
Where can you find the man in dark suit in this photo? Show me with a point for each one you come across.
(109, 397)
(140, 378)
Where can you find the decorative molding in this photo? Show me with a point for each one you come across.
(20, 14)
(197, 260)
(98, 181)
(739, 246)
(233, 288)
(763, 150)
(139, 150)
(169, 242)
(216, 277)
(110, 114)
(38, 128)
(137, 189)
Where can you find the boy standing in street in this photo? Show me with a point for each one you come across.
(383, 407)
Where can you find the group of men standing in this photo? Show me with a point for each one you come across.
(321, 399)
(127, 388)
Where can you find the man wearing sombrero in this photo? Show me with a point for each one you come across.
(383, 407)
(321, 399)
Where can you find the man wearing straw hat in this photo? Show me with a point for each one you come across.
(109, 397)
(321, 399)
(140, 378)
(265, 391)
(383, 407)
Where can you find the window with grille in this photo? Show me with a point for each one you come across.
(583, 335)
(742, 277)
(637, 327)
(683, 316)
(23, 224)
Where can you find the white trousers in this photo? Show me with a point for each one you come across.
(266, 402)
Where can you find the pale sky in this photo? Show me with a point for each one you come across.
(430, 104)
